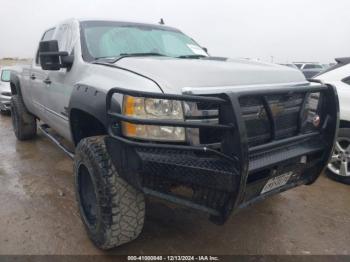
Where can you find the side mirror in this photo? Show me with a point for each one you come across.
(205, 49)
(51, 58)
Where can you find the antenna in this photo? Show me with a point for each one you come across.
(161, 22)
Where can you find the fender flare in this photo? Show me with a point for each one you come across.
(90, 100)
(15, 83)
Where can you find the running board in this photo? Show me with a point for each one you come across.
(44, 129)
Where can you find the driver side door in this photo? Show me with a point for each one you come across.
(61, 83)
(38, 82)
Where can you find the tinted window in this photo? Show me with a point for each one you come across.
(5, 76)
(346, 80)
(299, 65)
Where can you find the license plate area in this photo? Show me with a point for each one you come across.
(277, 182)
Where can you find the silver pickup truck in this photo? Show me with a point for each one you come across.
(150, 113)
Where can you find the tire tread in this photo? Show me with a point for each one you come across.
(122, 206)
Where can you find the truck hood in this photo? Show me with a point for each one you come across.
(174, 74)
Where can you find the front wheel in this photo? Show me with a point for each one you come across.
(339, 166)
(112, 210)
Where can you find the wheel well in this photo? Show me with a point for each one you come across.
(13, 89)
(344, 124)
(85, 125)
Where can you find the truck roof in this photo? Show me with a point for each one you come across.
(132, 23)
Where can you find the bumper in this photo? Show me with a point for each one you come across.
(220, 181)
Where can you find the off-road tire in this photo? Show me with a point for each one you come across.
(23, 122)
(343, 132)
(120, 208)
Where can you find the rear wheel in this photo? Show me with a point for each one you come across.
(339, 166)
(111, 209)
(23, 122)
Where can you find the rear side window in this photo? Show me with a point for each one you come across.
(5, 75)
(46, 36)
(346, 80)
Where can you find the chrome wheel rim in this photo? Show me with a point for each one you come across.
(339, 163)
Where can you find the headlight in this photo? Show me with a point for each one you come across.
(149, 108)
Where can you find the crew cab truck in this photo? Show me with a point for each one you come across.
(150, 113)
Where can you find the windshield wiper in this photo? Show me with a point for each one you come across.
(107, 59)
(113, 59)
(123, 55)
(191, 56)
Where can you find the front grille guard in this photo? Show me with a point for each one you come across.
(114, 119)
(234, 143)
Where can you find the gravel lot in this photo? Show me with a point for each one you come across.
(38, 214)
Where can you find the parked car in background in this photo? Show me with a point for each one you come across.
(326, 66)
(309, 69)
(5, 90)
(290, 65)
(339, 76)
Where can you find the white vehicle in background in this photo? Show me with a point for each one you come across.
(290, 65)
(309, 69)
(5, 90)
(339, 76)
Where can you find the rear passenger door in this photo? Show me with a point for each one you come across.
(37, 79)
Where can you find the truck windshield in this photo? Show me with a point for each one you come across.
(101, 39)
(5, 76)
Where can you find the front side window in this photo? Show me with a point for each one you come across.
(113, 39)
(5, 76)
(64, 37)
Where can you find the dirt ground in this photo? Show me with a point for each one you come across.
(38, 214)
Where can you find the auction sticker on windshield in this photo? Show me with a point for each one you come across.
(276, 182)
(197, 50)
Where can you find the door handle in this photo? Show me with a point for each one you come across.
(47, 81)
(32, 76)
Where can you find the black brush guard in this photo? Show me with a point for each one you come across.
(219, 181)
